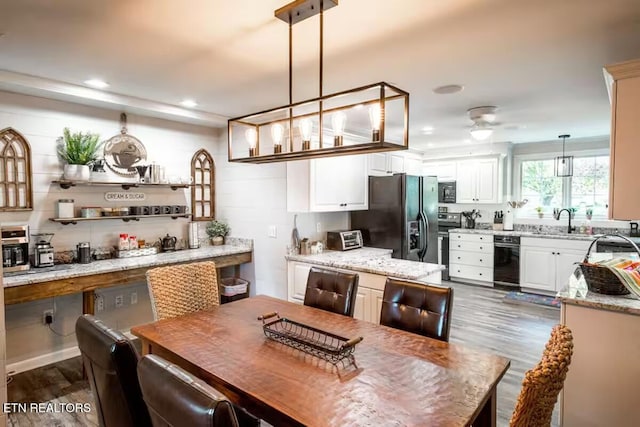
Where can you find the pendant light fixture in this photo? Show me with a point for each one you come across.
(564, 164)
(329, 125)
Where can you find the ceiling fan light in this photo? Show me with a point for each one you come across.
(480, 133)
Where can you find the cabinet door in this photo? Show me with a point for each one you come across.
(376, 305)
(378, 164)
(353, 183)
(445, 171)
(537, 268)
(487, 181)
(412, 166)
(466, 185)
(339, 184)
(300, 275)
(565, 266)
(396, 163)
(625, 149)
(362, 307)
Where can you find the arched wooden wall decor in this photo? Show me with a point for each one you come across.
(203, 189)
(16, 192)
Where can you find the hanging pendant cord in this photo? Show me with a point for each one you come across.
(320, 115)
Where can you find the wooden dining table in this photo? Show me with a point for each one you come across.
(397, 378)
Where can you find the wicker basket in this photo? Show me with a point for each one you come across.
(601, 279)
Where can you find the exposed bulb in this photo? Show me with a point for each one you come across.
(252, 137)
(305, 127)
(277, 131)
(375, 116)
(338, 122)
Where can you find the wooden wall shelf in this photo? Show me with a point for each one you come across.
(66, 184)
(125, 218)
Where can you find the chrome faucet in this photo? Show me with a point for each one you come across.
(569, 227)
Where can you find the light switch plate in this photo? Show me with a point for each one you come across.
(273, 231)
(319, 227)
(119, 301)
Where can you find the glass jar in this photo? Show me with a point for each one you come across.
(65, 208)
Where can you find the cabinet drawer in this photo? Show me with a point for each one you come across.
(463, 237)
(471, 272)
(479, 259)
(471, 246)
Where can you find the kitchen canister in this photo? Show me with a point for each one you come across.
(65, 208)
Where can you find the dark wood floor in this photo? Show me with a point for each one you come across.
(480, 319)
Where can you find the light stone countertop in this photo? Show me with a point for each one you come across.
(66, 271)
(371, 260)
(542, 235)
(620, 303)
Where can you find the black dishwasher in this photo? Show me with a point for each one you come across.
(506, 261)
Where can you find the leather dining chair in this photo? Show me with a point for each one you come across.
(331, 291)
(110, 361)
(177, 290)
(542, 384)
(176, 399)
(417, 307)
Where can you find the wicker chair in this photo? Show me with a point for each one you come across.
(177, 290)
(542, 384)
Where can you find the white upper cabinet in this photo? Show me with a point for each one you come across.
(328, 185)
(444, 170)
(383, 164)
(478, 181)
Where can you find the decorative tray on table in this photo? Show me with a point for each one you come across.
(324, 345)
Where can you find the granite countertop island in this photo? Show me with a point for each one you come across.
(371, 260)
(621, 303)
(68, 271)
(543, 235)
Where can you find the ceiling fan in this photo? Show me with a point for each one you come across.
(484, 121)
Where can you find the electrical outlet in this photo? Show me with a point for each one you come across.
(273, 231)
(319, 227)
(47, 317)
(134, 298)
(99, 302)
(119, 301)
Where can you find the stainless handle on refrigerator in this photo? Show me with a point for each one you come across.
(425, 223)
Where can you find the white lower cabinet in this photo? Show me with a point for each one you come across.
(368, 298)
(546, 264)
(471, 258)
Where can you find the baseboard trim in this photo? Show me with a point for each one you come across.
(49, 358)
(43, 360)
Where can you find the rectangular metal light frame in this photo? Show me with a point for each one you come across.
(360, 148)
(565, 171)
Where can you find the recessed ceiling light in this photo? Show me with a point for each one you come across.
(97, 83)
(189, 103)
(359, 106)
(467, 141)
(427, 130)
(430, 145)
(448, 89)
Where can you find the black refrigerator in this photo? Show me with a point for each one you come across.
(402, 215)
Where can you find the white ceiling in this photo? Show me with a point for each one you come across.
(539, 61)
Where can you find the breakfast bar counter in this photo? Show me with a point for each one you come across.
(86, 278)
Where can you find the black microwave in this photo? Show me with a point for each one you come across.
(447, 192)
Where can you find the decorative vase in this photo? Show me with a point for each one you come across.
(217, 241)
(540, 215)
(589, 217)
(77, 172)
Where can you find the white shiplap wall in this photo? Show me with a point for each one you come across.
(250, 197)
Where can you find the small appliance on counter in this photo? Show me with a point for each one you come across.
(633, 229)
(84, 252)
(43, 251)
(15, 248)
(168, 243)
(344, 240)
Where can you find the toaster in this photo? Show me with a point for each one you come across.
(344, 240)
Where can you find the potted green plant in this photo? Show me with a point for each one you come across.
(589, 213)
(540, 211)
(78, 150)
(217, 230)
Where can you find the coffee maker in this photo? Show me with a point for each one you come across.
(43, 251)
(15, 248)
